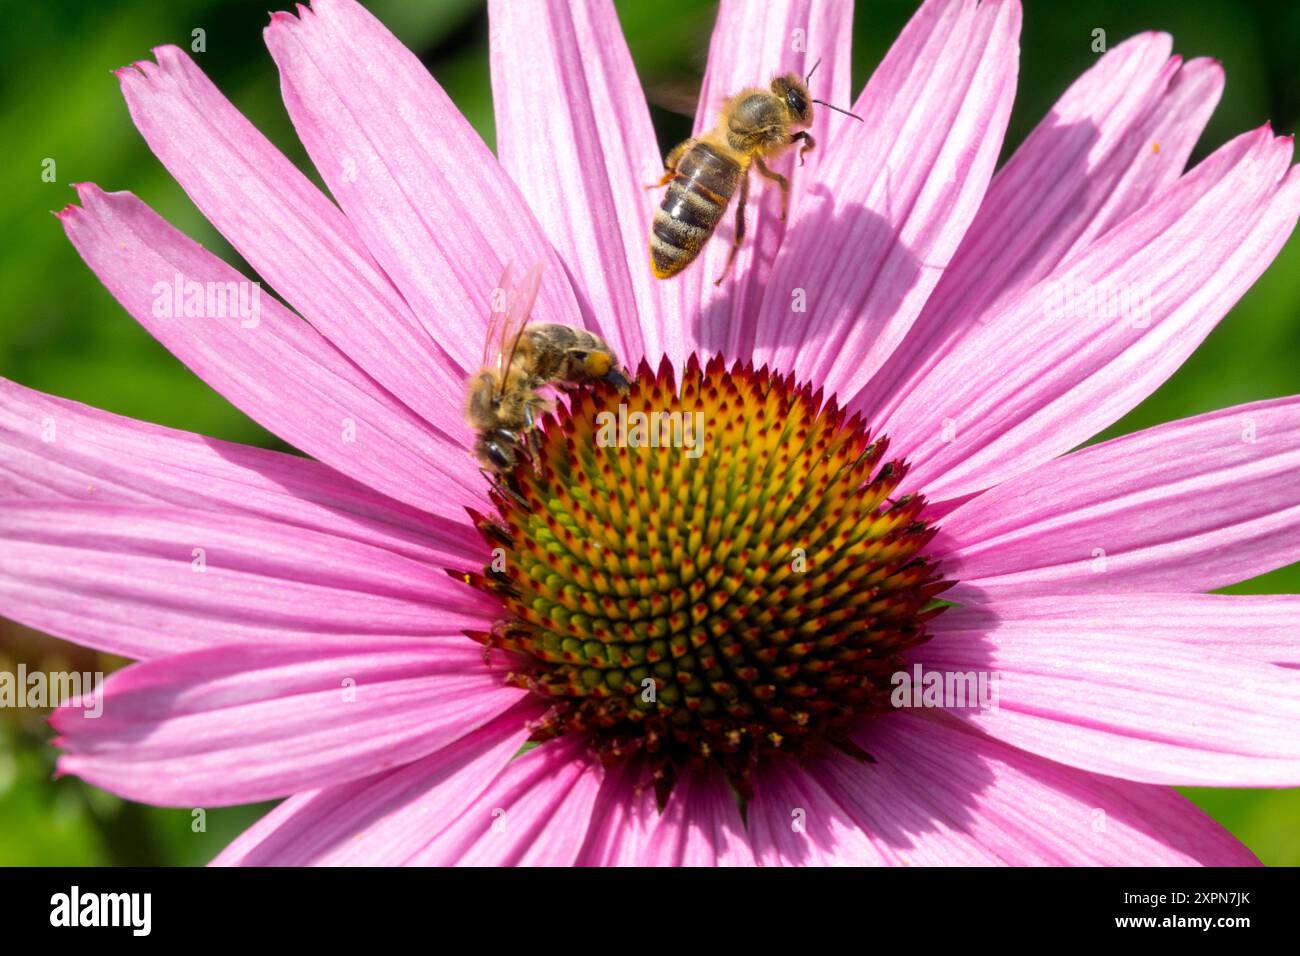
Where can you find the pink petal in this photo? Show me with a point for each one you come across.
(379, 820)
(1128, 704)
(624, 816)
(752, 43)
(574, 132)
(289, 232)
(281, 372)
(1261, 627)
(1042, 375)
(536, 813)
(938, 796)
(425, 194)
(700, 826)
(1188, 506)
(895, 194)
(238, 724)
(57, 450)
(1119, 135)
(793, 821)
(147, 580)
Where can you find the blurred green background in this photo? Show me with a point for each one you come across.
(61, 332)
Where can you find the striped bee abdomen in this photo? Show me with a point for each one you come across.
(697, 196)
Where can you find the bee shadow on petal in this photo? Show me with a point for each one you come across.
(842, 271)
(834, 268)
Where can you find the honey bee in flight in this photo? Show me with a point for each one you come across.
(701, 174)
(503, 403)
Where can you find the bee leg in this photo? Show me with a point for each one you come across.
(523, 502)
(670, 163)
(508, 486)
(534, 409)
(499, 482)
(535, 448)
(778, 179)
(740, 227)
(531, 436)
(808, 143)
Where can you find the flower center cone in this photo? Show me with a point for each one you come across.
(716, 571)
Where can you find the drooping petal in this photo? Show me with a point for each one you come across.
(574, 132)
(379, 820)
(940, 796)
(700, 826)
(58, 450)
(426, 195)
(536, 813)
(145, 580)
(273, 366)
(751, 44)
(238, 724)
(894, 195)
(793, 821)
(623, 817)
(1260, 627)
(1128, 704)
(294, 237)
(1069, 356)
(1118, 136)
(1192, 505)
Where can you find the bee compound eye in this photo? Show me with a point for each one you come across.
(796, 103)
(497, 455)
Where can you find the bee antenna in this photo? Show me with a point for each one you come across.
(838, 110)
(813, 70)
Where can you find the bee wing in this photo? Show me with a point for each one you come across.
(519, 307)
(675, 96)
(498, 309)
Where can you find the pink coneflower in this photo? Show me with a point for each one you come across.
(703, 648)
